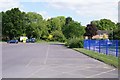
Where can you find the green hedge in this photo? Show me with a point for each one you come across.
(58, 36)
(74, 43)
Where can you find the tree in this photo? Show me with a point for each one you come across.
(56, 23)
(36, 25)
(55, 26)
(13, 23)
(91, 30)
(72, 29)
(68, 20)
(104, 24)
(115, 34)
(58, 36)
(0, 25)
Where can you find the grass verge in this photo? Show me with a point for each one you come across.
(49, 42)
(2, 41)
(108, 59)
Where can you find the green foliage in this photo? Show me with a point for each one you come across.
(108, 59)
(13, 23)
(0, 25)
(72, 29)
(50, 37)
(36, 26)
(58, 36)
(75, 43)
(115, 34)
(16, 23)
(55, 23)
(68, 20)
(104, 24)
(91, 30)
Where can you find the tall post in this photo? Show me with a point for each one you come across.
(89, 44)
(106, 47)
(94, 45)
(99, 46)
(84, 44)
(116, 48)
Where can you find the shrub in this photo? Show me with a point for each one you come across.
(50, 37)
(75, 43)
(58, 36)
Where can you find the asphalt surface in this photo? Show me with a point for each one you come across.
(50, 61)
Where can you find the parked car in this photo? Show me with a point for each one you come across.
(12, 41)
(31, 40)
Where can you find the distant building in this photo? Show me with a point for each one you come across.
(101, 34)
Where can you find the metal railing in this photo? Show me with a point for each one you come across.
(108, 47)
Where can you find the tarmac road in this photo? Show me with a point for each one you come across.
(34, 60)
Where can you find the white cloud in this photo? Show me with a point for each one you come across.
(87, 9)
(72, 1)
(8, 4)
(44, 14)
(96, 9)
(99, 11)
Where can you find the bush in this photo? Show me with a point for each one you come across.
(50, 37)
(58, 36)
(75, 43)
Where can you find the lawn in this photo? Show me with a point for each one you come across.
(49, 42)
(2, 41)
(108, 59)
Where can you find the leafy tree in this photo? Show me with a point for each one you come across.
(72, 29)
(68, 20)
(58, 36)
(104, 24)
(56, 23)
(36, 25)
(0, 25)
(91, 30)
(13, 23)
(115, 34)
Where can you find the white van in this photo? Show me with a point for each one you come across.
(23, 37)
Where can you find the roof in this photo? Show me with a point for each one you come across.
(103, 32)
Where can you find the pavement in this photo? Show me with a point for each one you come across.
(34, 60)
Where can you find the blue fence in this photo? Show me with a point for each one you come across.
(108, 47)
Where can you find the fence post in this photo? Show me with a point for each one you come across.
(84, 44)
(94, 45)
(116, 48)
(106, 47)
(99, 46)
(89, 44)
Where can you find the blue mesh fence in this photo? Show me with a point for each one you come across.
(108, 47)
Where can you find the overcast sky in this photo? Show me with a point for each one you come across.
(82, 11)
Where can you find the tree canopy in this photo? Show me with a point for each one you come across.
(104, 24)
(91, 30)
(13, 23)
(72, 29)
(115, 34)
(16, 23)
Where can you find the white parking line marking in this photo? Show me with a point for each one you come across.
(29, 63)
(35, 72)
(100, 73)
(45, 61)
